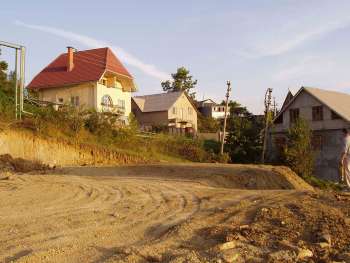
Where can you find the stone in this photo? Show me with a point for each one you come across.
(227, 245)
(243, 227)
(264, 210)
(326, 238)
(305, 253)
(323, 245)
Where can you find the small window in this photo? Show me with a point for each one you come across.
(74, 101)
(121, 104)
(174, 110)
(317, 113)
(335, 116)
(60, 100)
(104, 82)
(189, 111)
(294, 115)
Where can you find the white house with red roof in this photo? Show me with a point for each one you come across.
(93, 79)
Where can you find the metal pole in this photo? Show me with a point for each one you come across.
(267, 110)
(21, 86)
(16, 84)
(225, 118)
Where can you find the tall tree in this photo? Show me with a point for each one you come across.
(182, 81)
(243, 142)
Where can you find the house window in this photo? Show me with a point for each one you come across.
(317, 113)
(74, 101)
(174, 110)
(104, 82)
(189, 111)
(121, 104)
(60, 100)
(106, 102)
(335, 116)
(317, 142)
(294, 115)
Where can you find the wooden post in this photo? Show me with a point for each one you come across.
(225, 118)
(267, 110)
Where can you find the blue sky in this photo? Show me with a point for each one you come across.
(279, 44)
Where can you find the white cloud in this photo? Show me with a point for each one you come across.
(124, 56)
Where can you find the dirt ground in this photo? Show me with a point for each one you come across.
(170, 213)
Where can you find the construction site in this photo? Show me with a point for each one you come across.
(97, 166)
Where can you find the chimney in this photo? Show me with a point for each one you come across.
(70, 62)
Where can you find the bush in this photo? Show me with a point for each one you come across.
(299, 154)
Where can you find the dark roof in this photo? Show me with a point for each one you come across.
(89, 65)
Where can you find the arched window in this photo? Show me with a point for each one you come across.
(107, 103)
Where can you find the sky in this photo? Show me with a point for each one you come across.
(256, 44)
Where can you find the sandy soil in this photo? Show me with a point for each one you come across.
(169, 213)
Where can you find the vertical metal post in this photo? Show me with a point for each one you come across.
(267, 111)
(225, 118)
(21, 87)
(16, 84)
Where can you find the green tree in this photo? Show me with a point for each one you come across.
(207, 124)
(243, 142)
(298, 152)
(182, 81)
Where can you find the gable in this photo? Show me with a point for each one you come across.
(156, 102)
(184, 101)
(308, 97)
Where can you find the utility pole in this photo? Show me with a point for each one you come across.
(274, 107)
(225, 118)
(267, 111)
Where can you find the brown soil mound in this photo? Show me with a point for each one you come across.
(283, 231)
(9, 164)
(234, 176)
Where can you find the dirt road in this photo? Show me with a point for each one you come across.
(159, 213)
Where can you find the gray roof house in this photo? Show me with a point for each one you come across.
(327, 113)
(173, 109)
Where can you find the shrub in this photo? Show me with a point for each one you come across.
(299, 154)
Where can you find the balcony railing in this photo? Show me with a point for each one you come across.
(113, 108)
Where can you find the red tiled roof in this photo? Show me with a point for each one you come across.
(89, 65)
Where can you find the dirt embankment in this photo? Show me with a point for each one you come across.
(58, 152)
